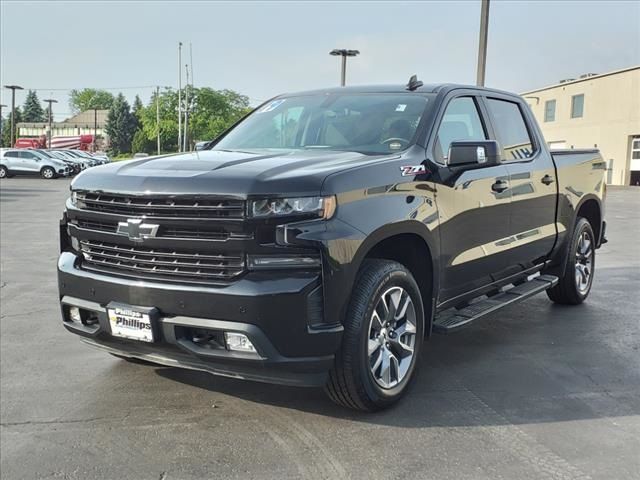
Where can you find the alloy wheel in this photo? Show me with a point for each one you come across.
(392, 337)
(584, 262)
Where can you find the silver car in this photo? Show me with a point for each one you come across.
(15, 161)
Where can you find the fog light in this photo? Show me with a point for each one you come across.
(75, 244)
(258, 262)
(238, 342)
(74, 314)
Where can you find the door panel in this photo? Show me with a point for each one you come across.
(30, 162)
(474, 218)
(474, 229)
(533, 185)
(533, 197)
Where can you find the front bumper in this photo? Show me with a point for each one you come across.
(278, 311)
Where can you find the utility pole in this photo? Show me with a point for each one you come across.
(179, 96)
(95, 128)
(158, 116)
(50, 101)
(186, 111)
(1, 122)
(13, 89)
(191, 61)
(482, 44)
(344, 53)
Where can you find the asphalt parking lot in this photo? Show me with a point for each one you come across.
(534, 391)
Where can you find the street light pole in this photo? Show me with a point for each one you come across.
(179, 96)
(344, 53)
(50, 101)
(95, 129)
(186, 111)
(158, 116)
(13, 89)
(482, 44)
(1, 122)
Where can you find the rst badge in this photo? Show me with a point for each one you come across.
(412, 170)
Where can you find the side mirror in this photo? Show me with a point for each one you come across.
(474, 154)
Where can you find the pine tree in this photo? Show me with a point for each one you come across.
(137, 106)
(32, 110)
(120, 126)
(6, 128)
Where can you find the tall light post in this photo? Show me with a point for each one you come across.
(179, 96)
(482, 44)
(158, 116)
(95, 129)
(344, 53)
(13, 89)
(50, 101)
(1, 122)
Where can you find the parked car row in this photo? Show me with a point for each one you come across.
(48, 164)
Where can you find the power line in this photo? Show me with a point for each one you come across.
(93, 88)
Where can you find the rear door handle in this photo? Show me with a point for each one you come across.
(547, 179)
(499, 186)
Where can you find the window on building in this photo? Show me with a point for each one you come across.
(549, 111)
(635, 148)
(511, 130)
(577, 106)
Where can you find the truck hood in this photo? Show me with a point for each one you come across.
(218, 172)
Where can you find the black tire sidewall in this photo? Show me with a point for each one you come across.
(582, 226)
(402, 278)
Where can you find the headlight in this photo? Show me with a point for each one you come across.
(74, 198)
(323, 207)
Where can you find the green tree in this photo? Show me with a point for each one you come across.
(89, 99)
(211, 112)
(137, 106)
(140, 142)
(6, 128)
(32, 110)
(120, 126)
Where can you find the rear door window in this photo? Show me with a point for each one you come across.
(511, 130)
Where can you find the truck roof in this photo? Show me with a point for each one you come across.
(397, 88)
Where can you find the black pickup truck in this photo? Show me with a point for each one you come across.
(324, 237)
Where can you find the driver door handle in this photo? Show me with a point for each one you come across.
(547, 179)
(500, 186)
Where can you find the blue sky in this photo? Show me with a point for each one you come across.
(264, 48)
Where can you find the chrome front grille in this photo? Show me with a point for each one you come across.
(160, 263)
(162, 206)
(186, 232)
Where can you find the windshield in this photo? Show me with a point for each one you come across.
(367, 123)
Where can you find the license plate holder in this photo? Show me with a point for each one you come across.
(133, 322)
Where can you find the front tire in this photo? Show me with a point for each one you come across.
(574, 286)
(48, 173)
(4, 173)
(382, 341)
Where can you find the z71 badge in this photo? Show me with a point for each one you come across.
(411, 170)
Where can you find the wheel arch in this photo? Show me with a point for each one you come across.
(411, 244)
(591, 209)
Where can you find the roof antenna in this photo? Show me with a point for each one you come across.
(414, 83)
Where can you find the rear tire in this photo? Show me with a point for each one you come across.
(382, 341)
(4, 173)
(48, 173)
(574, 286)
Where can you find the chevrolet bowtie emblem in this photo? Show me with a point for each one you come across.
(136, 230)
